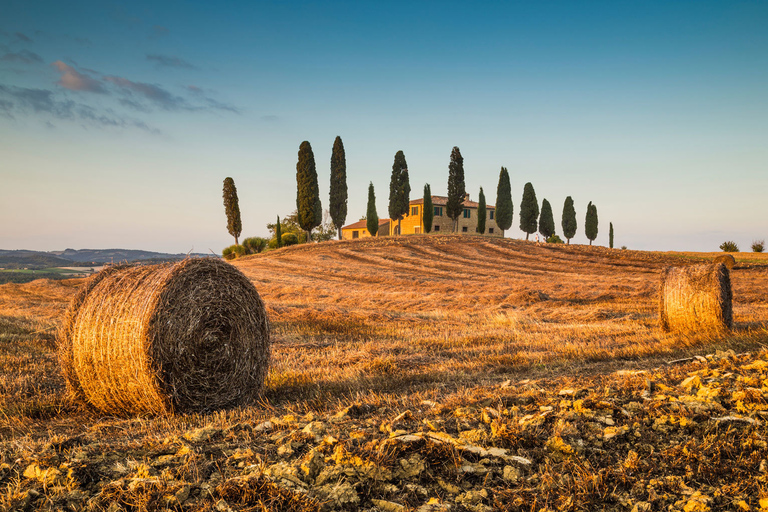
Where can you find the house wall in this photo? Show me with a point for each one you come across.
(445, 224)
(348, 233)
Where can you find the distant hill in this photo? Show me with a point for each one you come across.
(81, 257)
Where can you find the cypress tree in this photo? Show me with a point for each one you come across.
(569, 219)
(481, 213)
(308, 208)
(546, 221)
(399, 189)
(232, 209)
(456, 189)
(279, 233)
(372, 218)
(590, 224)
(429, 209)
(504, 207)
(610, 235)
(529, 210)
(337, 203)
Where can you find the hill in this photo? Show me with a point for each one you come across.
(421, 373)
(76, 257)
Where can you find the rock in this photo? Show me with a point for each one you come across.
(512, 474)
(388, 506)
(434, 505)
(472, 468)
(264, 426)
(223, 506)
(642, 506)
(202, 435)
(312, 465)
(473, 500)
(448, 487)
(411, 467)
(338, 496)
(286, 475)
(316, 429)
(182, 494)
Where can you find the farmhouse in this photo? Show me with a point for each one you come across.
(360, 230)
(413, 222)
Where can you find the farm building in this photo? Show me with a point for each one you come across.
(360, 230)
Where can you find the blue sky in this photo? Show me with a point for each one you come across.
(120, 120)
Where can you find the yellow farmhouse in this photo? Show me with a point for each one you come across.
(413, 222)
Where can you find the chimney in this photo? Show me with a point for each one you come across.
(466, 197)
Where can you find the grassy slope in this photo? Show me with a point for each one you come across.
(436, 326)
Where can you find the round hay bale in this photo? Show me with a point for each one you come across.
(697, 298)
(726, 259)
(188, 336)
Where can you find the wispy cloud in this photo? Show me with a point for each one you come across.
(158, 31)
(152, 92)
(23, 56)
(211, 103)
(75, 81)
(18, 36)
(170, 61)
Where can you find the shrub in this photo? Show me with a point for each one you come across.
(290, 239)
(623, 247)
(729, 246)
(758, 246)
(554, 239)
(233, 251)
(254, 244)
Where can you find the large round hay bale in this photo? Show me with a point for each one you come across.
(188, 336)
(726, 259)
(696, 298)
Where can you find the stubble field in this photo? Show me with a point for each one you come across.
(432, 372)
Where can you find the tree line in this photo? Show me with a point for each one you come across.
(309, 212)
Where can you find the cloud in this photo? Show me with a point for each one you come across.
(75, 81)
(21, 37)
(170, 61)
(24, 56)
(154, 93)
(158, 31)
(201, 95)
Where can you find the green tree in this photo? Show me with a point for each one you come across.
(547, 220)
(278, 233)
(371, 217)
(504, 207)
(310, 211)
(232, 209)
(481, 212)
(456, 189)
(590, 223)
(288, 224)
(529, 210)
(338, 199)
(610, 235)
(429, 209)
(399, 189)
(569, 219)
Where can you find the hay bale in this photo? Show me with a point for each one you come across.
(188, 336)
(726, 259)
(696, 298)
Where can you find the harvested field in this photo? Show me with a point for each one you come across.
(466, 372)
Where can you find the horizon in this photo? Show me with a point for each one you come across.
(119, 123)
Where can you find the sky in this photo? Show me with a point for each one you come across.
(120, 120)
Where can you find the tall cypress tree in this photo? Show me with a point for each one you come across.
(610, 235)
(232, 209)
(504, 207)
(569, 219)
(372, 218)
(399, 190)
(429, 209)
(308, 208)
(279, 233)
(590, 224)
(547, 220)
(456, 189)
(481, 212)
(529, 210)
(337, 203)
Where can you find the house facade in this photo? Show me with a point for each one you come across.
(413, 223)
(359, 229)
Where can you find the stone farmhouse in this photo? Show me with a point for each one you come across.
(413, 222)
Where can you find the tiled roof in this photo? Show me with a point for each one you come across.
(442, 201)
(364, 224)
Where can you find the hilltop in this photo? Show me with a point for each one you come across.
(422, 373)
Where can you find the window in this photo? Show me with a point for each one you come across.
(414, 210)
(466, 213)
(355, 234)
(490, 212)
(490, 231)
(464, 229)
(438, 211)
(416, 230)
(437, 228)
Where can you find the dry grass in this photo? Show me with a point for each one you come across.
(696, 299)
(188, 336)
(390, 325)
